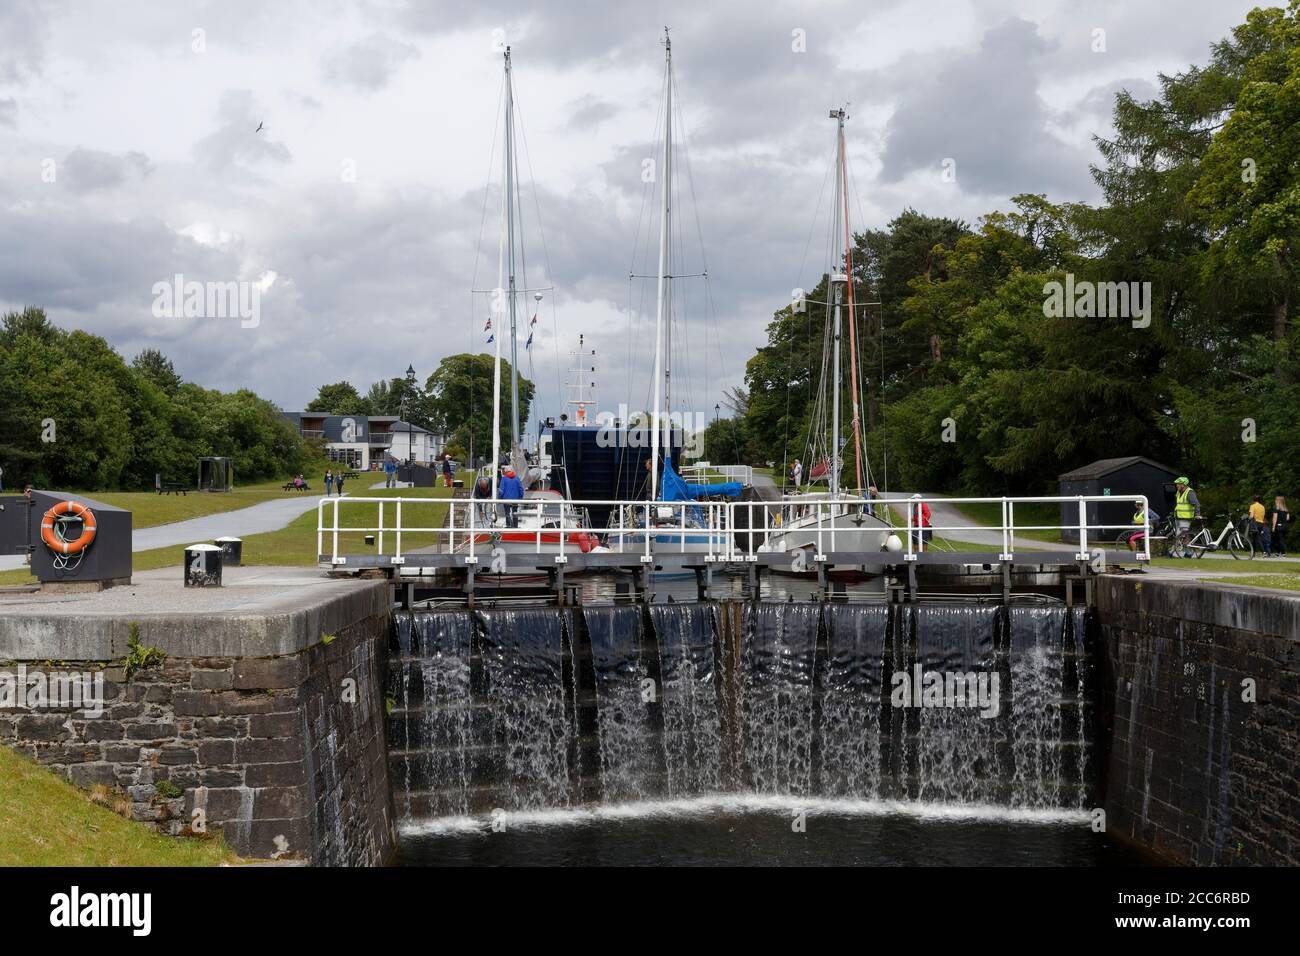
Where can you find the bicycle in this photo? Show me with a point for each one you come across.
(1230, 539)
(1162, 530)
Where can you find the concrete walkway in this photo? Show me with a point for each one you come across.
(255, 519)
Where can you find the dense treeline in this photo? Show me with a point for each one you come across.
(73, 414)
(1201, 200)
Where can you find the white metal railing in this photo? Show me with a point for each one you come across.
(703, 470)
(723, 531)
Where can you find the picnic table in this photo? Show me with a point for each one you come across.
(172, 488)
(290, 486)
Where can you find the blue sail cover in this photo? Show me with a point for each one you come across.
(675, 488)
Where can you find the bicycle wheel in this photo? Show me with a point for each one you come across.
(1240, 547)
(1199, 544)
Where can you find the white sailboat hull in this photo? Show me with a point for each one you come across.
(842, 531)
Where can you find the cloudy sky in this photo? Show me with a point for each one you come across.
(367, 208)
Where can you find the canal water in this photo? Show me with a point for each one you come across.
(742, 732)
(732, 832)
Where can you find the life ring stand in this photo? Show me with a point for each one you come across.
(63, 509)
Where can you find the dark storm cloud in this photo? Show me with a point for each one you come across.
(80, 265)
(236, 141)
(982, 111)
(86, 170)
(368, 64)
(742, 71)
(374, 275)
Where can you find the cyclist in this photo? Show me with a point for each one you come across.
(1186, 508)
(1141, 516)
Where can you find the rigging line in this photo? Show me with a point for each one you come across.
(803, 262)
(487, 189)
(647, 191)
(817, 427)
(853, 325)
(685, 150)
(880, 339)
(550, 272)
(710, 309)
(682, 310)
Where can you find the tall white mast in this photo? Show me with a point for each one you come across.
(496, 313)
(838, 280)
(665, 210)
(510, 242)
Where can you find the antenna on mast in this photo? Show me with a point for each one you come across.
(580, 384)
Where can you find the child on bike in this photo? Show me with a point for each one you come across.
(1142, 517)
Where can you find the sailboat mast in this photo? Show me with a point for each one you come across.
(510, 242)
(665, 211)
(837, 282)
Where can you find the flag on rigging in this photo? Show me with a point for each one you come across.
(491, 339)
(488, 327)
(534, 322)
(529, 343)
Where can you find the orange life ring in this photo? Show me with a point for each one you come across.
(88, 528)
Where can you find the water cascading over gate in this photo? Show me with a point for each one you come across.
(536, 708)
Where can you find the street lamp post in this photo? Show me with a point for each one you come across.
(410, 435)
(717, 408)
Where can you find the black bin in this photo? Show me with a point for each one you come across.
(232, 551)
(203, 566)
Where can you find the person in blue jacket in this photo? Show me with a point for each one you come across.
(510, 488)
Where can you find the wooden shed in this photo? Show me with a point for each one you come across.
(1122, 479)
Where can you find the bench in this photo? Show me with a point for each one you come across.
(172, 488)
(290, 486)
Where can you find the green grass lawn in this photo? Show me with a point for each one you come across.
(45, 821)
(295, 544)
(1203, 565)
(1284, 582)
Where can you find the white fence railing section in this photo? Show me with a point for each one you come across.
(704, 472)
(722, 531)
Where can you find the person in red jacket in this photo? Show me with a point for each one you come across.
(921, 520)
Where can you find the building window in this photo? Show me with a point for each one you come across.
(350, 457)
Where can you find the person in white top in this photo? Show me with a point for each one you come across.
(796, 472)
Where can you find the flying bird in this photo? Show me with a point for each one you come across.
(259, 127)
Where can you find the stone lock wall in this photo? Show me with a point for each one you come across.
(284, 754)
(1197, 772)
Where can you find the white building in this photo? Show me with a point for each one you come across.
(412, 441)
(362, 442)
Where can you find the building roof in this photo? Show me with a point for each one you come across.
(1105, 466)
(403, 427)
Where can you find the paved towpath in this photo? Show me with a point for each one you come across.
(255, 519)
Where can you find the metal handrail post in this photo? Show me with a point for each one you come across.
(1083, 530)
